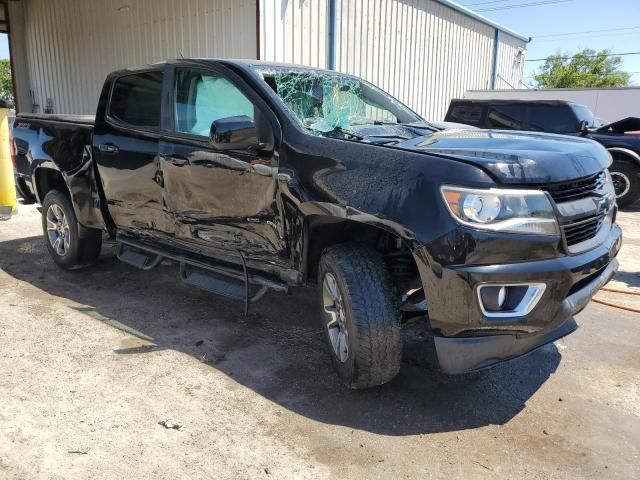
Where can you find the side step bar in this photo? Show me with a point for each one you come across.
(201, 274)
(219, 286)
(137, 257)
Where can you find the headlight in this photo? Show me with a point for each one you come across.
(502, 210)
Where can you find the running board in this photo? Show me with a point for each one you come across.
(136, 257)
(226, 288)
(205, 275)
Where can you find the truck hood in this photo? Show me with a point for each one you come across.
(517, 157)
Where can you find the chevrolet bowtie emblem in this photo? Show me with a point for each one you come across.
(602, 204)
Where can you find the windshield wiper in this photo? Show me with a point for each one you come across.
(337, 130)
(385, 135)
(362, 137)
(426, 125)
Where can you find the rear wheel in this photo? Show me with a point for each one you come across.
(70, 244)
(626, 180)
(360, 318)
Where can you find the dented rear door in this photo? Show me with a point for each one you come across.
(125, 147)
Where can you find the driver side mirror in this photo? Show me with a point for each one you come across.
(583, 127)
(234, 133)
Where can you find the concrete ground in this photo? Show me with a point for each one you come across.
(111, 373)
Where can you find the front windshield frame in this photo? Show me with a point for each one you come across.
(330, 118)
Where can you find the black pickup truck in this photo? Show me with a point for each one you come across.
(254, 176)
(621, 138)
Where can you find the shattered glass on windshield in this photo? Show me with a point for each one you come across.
(321, 102)
(329, 102)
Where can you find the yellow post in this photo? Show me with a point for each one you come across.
(8, 201)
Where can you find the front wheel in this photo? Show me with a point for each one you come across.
(70, 244)
(360, 318)
(626, 181)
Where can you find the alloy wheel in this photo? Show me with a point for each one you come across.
(58, 230)
(335, 318)
(621, 183)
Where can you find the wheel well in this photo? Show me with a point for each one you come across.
(622, 155)
(47, 179)
(323, 232)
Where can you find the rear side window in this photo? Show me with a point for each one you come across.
(469, 114)
(508, 116)
(552, 118)
(136, 99)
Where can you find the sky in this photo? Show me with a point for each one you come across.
(556, 26)
(4, 45)
(553, 24)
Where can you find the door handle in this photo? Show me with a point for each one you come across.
(178, 161)
(108, 148)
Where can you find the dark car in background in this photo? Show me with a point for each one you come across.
(621, 138)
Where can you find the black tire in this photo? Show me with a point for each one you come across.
(369, 313)
(627, 175)
(84, 244)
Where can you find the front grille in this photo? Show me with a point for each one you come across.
(585, 187)
(582, 230)
(585, 228)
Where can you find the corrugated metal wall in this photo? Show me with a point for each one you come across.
(294, 31)
(510, 62)
(71, 45)
(420, 51)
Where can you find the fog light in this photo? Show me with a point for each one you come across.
(509, 300)
(493, 297)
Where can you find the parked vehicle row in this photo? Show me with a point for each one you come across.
(256, 176)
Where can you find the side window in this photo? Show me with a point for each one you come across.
(469, 114)
(506, 116)
(552, 118)
(201, 98)
(136, 99)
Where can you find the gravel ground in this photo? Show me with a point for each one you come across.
(111, 372)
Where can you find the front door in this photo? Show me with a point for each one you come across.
(219, 199)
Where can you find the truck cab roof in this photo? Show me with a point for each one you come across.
(246, 63)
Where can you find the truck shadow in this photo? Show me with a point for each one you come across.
(631, 279)
(277, 351)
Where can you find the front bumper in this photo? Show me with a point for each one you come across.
(466, 339)
(465, 354)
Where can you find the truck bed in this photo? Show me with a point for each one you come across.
(59, 148)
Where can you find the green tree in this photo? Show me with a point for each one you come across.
(6, 85)
(586, 69)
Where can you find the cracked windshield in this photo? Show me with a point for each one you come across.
(332, 104)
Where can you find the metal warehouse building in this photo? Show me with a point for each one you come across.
(424, 52)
